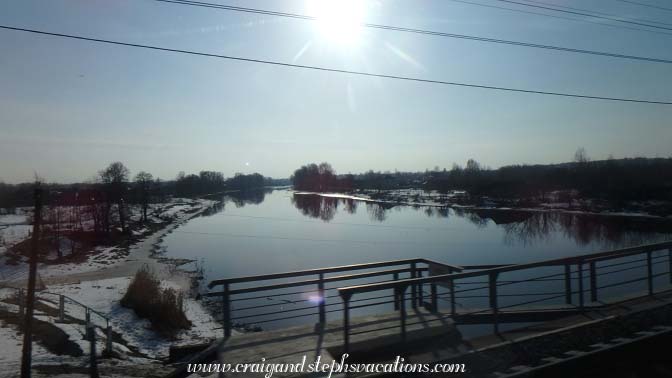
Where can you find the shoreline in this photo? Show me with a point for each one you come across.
(452, 205)
(140, 252)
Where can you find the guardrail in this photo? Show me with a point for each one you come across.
(317, 295)
(567, 277)
(89, 323)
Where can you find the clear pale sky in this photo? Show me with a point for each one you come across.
(68, 108)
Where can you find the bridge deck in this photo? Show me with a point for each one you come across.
(368, 335)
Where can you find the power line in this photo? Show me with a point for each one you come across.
(645, 5)
(384, 226)
(561, 17)
(586, 14)
(596, 12)
(335, 70)
(420, 31)
(253, 236)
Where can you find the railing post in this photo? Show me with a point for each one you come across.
(435, 298)
(395, 277)
(346, 322)
(323, 299)
(414, 288)
(669, 263)
(493, 300)
(568, 284)
(61, 308)
(108, 339)
(88, 316)
(593, 282)
(649, 271)
(402, 317)
(226, 309)
(451, 285)
(93, 364)
(580, 272)
(421, 297)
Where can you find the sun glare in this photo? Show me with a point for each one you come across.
(338, 21)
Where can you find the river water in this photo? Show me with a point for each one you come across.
(277, 230)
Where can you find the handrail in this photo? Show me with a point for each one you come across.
(333, 269)
(106, 317)
(316, 281)
(415, 267)
(624, 252)
(584, 263)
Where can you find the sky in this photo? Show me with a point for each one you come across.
(68, 108)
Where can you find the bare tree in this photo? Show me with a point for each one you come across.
(56, 218)
(581, 156)
(143, 184)
(115, 177)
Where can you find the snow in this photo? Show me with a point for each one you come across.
(104, 296)
(13, 219)
(12, 234)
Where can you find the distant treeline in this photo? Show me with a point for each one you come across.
(116, 182)
(615, 180)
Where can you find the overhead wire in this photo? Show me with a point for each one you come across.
(342, 71)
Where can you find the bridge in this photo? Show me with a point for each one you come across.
(430, 311)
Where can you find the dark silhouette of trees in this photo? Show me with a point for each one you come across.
(314, 177)
(143, 185)
(206, 182)
(614, 180)
(245, 182)
(115, 180)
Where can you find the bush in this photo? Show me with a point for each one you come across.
(163, 307)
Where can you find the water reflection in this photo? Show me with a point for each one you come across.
(325, 208)
(526, 227)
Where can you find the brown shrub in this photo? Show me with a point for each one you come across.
(163, 307)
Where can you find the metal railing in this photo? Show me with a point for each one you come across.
(485, 285)
(314, 291)
(89, 315)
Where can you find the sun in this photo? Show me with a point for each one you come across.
(338, 21)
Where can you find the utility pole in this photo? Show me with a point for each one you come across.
(30, 297)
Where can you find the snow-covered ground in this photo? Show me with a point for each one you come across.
(104, 296)
(100, 283)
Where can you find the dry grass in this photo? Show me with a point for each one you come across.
(163, 307)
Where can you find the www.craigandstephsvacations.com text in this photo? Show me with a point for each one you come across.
(328, 368)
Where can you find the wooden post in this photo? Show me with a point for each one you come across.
(435, 298)
(346, 322)
(27, 351)
(61, 308)
(568, 284)
(226, 309)
(493, 300)
(93, 363)
(593, 282)
(580, 269)
(108, 339)
(88, 316)
(414, 287)
(649, 271)
(322, 300)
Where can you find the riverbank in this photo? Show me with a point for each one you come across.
(100, 281)
(461, 200)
